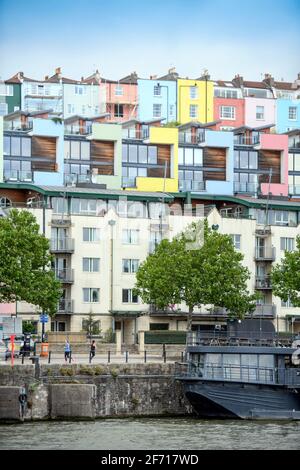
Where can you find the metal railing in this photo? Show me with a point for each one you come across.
(135, 134)
(263, 253)
(17, 126)
(246, 187)
(246, 140)
(17, 175)
(128, 182)
(237, 338)
(65, 306)
(294, 143)
(265, 310)
(65, 275)
(74, 178)
(263, 282)
(294, 190)
(189, 185)
(63, 245)
(75, 129)
(192, 138)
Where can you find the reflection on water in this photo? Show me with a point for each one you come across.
(151, 433)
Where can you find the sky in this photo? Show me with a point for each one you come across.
(117, 37)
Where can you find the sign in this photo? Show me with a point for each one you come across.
(44, 318)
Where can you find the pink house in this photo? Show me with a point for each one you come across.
(259, 111)
(122, 98)
(274, 154)
(229, 112)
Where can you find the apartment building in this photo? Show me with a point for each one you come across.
(10, 95)
(122, 97)
(229, 105)
(195, 99)
(98, 239)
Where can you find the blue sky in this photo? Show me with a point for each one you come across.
(120, 36)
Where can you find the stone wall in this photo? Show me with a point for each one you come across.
(98, 391)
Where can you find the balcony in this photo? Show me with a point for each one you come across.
(249, 188)
(128, 182)
(17, 126)
(192, 138)
(264, 254)
(74, 179)
(16, 175)
(62, 245)
(78, 130)
(135, 134)
(65, 306)
(62, 221)
(65, 275)
(188, 185)
(264, 311)
(263, 232)
(294, 190)
(263, 283)
(246, 140)
(294, 143)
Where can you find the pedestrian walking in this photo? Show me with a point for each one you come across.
(67, 350)
(93, 349)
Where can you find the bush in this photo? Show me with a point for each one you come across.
(66, 371)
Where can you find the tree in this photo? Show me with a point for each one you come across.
(90, 325)
(285, 276)
(198, 267)
(25, 263)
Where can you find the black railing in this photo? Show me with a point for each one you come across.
(233, 338)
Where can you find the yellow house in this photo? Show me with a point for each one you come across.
(164, 175)
(195, 100)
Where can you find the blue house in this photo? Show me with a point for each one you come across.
(288, 115)
(157, 98)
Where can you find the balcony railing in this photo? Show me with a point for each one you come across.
(188, 185)
(62, 245)
(263, 282)
(78, 130)
(135, 134)
(128, 182)
(294, 190)
(192, 138)
(248, 140)
(74, 178)
(265, 254)
(16, 175)
(294, 143)
(266, 310)
(250, 188)
(65, 306)
(66, 275)
(17, 126)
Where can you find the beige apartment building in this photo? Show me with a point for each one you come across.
(98, 238)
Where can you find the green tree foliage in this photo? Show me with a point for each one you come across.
(198, 267)
(285, 276)
(25, 263)
(90, 325)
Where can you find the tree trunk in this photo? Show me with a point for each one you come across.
(190, 319)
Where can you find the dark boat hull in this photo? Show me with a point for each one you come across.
(213, 399)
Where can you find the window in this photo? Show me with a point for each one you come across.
(80, 90)
(293, 113)
(75, 149)
(172, 109)
(130, 265)
(83, 109)
(287, 244)
(118, 90)
(5, 202)
(91, 234)
(26, 147)
(193, 92)
(130, 237)
(128, 297)
(260, 112)
(91, 265)
(286, 303)
(71, 109)
(159, 326)
(193, 111)
(119, 110)
(6, 90)
(157, 90)
(91, 295)
(3, 109)
(85, 150)
(157, 110)
(236, 240)
(227, 112)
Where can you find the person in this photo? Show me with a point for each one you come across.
(93, 349)
(67, 350)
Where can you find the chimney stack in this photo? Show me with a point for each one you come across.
(238, 81)
(20, 75)
(172, 70)
(269, 80)
(153, 77)
(46, 77)
(97, 76)
(58, 72)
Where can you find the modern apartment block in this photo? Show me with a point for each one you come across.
(99, 237)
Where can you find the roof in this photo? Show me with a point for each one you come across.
(225, 83)
(94, 79)
(77, 117)
(130, 79)
(248, 202)
(293, 132)
(14, 79)
(237, 130)
(172, 76)
(248, 84)
(26, 113)
(198, 124)
(92, 193)
(286, 86)
(137, 121)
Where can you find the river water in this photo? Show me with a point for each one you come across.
(151, 434)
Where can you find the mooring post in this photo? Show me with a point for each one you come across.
(49, 357)
(70, 357)
(126, 356)
(145, 356)
(108, 357)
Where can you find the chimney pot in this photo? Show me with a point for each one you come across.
(46, 77)
(58, 71)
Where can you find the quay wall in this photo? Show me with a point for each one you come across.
(91, 391)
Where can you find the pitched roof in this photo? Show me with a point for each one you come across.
(130, 79)
(172, 76)
(285, 86)
(249, 84)
(15, 78)
(57, 79)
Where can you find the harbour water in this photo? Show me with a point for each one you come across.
(151, 434)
